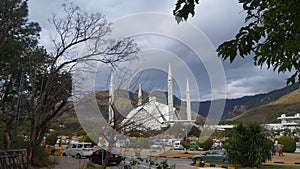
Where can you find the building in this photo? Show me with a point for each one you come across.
(151, 115)
(154, 115)
(287, 122)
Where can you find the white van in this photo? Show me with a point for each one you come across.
(78, 149)
(177, 145)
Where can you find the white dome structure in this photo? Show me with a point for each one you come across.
(152, 115)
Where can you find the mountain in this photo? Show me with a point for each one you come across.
(261, 107)
(268, 113)
(235, 107)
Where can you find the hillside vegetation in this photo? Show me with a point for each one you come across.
(288, 104)
(235, 107)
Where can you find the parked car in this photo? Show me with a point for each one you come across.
(177, 145)
(113, 157)
(193, 145)
(211, 156)
(155, 146)
(78, 149)
(297, 147)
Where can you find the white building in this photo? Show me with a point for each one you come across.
(287, 122)
(155, 115)
(152, 115)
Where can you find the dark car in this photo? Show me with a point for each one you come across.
(114, 157)
(211, 156)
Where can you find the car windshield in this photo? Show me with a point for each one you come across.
(113, 151)
(213, 152)
(87, 145)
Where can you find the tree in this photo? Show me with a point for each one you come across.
(248, 145)
(51, 80)
(207, 144)
(194, 131)
(271, 34)
(18, 38)
(185, 144)
(86, 138)
(35, 83)
(184, 8)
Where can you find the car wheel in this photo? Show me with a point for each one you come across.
(198, 160)
(225, 160)
(78, 156)
(64, 154)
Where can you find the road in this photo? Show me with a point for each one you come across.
(180, 164)
(69, 162)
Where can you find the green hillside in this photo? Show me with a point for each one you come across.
(288, 104)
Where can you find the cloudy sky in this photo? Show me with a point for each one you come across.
(215, 21)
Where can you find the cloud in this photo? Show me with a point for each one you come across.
(219, 20)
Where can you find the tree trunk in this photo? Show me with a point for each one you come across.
(32, 146)
(7, 134)
(7, 142)
(35, 140)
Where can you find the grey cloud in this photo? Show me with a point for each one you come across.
(219, 20)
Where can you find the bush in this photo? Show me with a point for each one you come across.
(207, 144)
(41, 159)
(185, 144)
(138, 163)
(87, 138)
(248, 145)
(289, 144)
(18, 142)
(51, 139)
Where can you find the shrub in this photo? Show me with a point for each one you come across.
(248, 145)
(207, 144)
(87, 138)
(289, 144)
(138, 163)
(51, 138)
(185, 144)
(18, 142)
(41, 159)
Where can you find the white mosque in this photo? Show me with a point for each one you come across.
(153, 115)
